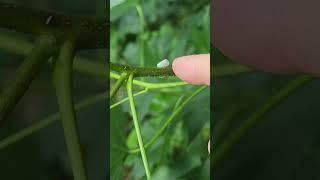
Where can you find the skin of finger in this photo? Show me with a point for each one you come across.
(194, 69)
(284, 40)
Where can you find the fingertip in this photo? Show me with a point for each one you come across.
(194, 69)
(184, 69)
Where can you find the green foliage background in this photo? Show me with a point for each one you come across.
(173, 28)
(282, 144)
(43, 155)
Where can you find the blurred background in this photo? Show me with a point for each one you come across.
(43, 155)
(282, 144)
(172, 28)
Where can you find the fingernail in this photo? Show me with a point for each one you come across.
(183, 68)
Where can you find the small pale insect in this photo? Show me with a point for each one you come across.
(48, 20)
(164, 63)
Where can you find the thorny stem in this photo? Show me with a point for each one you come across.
(27, 71)
(90, 32)
(62, 78)
(137, 127)
(83, 65)
(141, 71)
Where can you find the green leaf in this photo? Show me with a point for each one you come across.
(114, 3)
(197, 113)
(120, 9)
(118, 146)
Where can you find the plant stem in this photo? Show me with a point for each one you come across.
(151, 85)
(22, 47)
(137, 127)
(27, 71)
(127, 98)
(62, 78)
(141, 71)
(90, 32)
(256, 116)
(15, 45)
(170, 119)
(141, 38)
(83, 65)
(229, 70)
(117, 85)
(89, 67)
(49, 120)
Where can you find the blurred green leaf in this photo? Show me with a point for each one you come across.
(120, 9)
(114, 3)
(118, 148)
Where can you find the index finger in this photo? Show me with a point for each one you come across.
(194, 69)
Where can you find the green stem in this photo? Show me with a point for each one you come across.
(151, 85)
(89, 67)
(62, 78)
(127, 98)
(23, 47)
(27, 71)
(49, 120)
(90, 32)
(170, 119)
(141, 38)
(256, 116)
(137, 127)
(229, 70)
(83, 65)
(178, 102)
(15, 45)
(117, 85)
(141, 71)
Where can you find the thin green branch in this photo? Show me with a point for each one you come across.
(137, 127)
(49, 120)
(127, 98)
(62, 78)
(22, 47)
(151, 85)
(229, 70)
(90, 32)
(141, 35)
(15, 45)
(144, 91)
(27, 71)
(141, 71)
(170, 119)
(89, 67)
(83, 65)
(117, 85)
(254, 118)
(178, 102)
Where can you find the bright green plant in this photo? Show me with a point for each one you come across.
(142, 34)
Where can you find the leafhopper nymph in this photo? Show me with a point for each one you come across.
(164, 63)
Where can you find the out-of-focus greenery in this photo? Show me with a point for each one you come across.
(282, 144)
(43, 155)
(173, 28)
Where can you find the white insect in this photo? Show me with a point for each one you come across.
(164, 63)
(48, 20)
